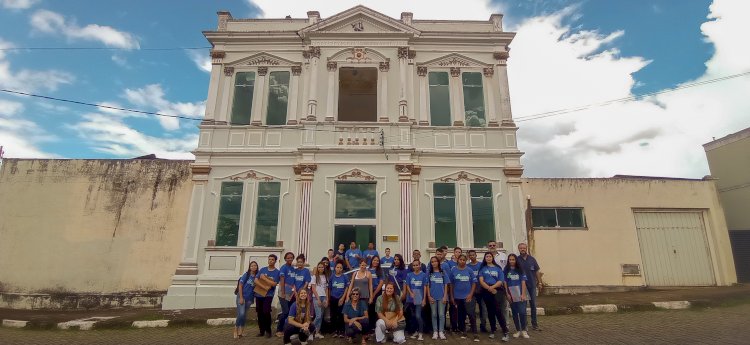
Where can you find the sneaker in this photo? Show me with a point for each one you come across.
(516, 335)
(414, 336)
(476, 337)
(525, 335)
(492, 335)
(505, 338)
(420, 337)
(442, 336)
(434, 335)
(463, 336)
(537, 328)
(304, 343)
(319, 336)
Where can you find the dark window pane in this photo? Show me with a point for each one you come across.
(440, 105)
(244, 83)
(473, 99)
(278, 97)
(543, 217)
(570, 217)
(482, 213)
(445, 214)
(480, 190)
(355, 200)
(267, 218)
(444, 189)
(230, 207)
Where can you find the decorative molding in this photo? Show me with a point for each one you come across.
(200, 169)
(296, 70)
(228, 71)
(408, 169)
(462, 176)
(312, 52)
(403, 52)
(412, 54)
(262, 70)
(224, 18)
(305, 169)
(357, 43)
(488, 72)
(356, 174)
(264, 60)
(358, 55)
(217, 56)
(331, 65)
(358, 26)
(502, 57)
(455, 72)
(513, 172)
(385, 66)
(421, 71)
(454, 61)
(251, 175)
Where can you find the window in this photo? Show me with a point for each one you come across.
(361, 234)
(482, 213)
(230, 206)
(546, 217)
(244, 83)
(445, 214)
(355, 200)
(278, 97)
(440, 104)
(473, 99)
(267, 217)
(358, 94)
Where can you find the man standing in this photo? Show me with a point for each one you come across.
(474, 264)
(263, 303)
(370, 252)
(286, 281)
(387, 260)
(501, 259)
(416, 255)
(353, 256)
(531, 268)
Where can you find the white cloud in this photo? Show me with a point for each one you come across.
(19, 136)
(9, 108)
(18, 4)
(54, 23)
(422, 9)
(200, 59)
(153, 97)
(29, 80)
(553, 66)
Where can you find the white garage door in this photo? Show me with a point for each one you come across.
(674, 248)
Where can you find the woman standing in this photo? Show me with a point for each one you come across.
(338, 285)
(300, 320)
(415, 290)
(515, 279)
(361, 279)
(245, 297)
(378, 279)
(438, 296)
(355, 317)
(492, 279)
(399, 273)
(319, 287)
(463, 285)
(390, 316)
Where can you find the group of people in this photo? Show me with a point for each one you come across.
(365, 293)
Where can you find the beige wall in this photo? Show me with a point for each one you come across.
(729, 160)
(91, 225)
(593, 257)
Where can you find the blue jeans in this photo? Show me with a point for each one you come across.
(519, 315)
(531, 288)
(416, 315)
(319, 311)
(438, 316)
(242, 310)
(284, 314)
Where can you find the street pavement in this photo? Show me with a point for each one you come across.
(729, 325)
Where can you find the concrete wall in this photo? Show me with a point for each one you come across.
(91, 226)
(729, 160)
(592, 257)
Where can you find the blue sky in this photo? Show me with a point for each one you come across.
(618, 48)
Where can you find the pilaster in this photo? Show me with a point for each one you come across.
(305, 173)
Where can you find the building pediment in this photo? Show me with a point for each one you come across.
(251, 175)
(455, 60)
(358, 55)
(355, 175)
(262, 59)
(462, 176)
(359, 19)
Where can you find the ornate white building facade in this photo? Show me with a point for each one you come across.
(357, 127)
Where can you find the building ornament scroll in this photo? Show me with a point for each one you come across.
(421, 71)
(305, 169)
(462, 176)
(356, 174)
(251, 175)
(454, 61)
(385, 66)
(358, 26)
(488, 71)
(331, 65)
(358, 55)
(296, 70)
(502, 57)
(312, 52)
(262, 70)
(217, 56)
(403, 52)
(263, 60)
(408, 169)
(455, 72)
(228, 71)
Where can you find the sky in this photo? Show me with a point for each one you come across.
(568, 58)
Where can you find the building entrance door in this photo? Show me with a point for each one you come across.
(361, 234)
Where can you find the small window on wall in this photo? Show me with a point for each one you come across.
(482, 213)
(440, 105)
(230, 206)
(547, 217)
(473, 99)
(355, 200)
(267, 217)
(244, 84)
(444, 196)
(278, 97)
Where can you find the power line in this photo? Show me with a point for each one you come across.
(102, 48)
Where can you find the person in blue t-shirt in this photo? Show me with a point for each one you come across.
(341, 253)
(286, 274)
(301, 319)
(353, 256)
(355, 317)
(378, 282)
(339, 285)
(515, 282)
(463, 282)
(492, 280)
(245, 297)
(534, 282)
(398, 274)
(302, 275)
(331, 259)
(474, 264)
(437, 292)
(415, 290)
(387, 260)
(370, 252)
(263, 303)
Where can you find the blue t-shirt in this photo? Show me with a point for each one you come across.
(452, 263)
(247, 286)
(491, 274)
(275, 275)
(351, 257)
(416, 283)
(293, 311)
(376, 276)
(301, 278)
(422, 267)
(369, 254)
(399, 276)
(446, 266)
(474, 267)
(339, 285)
(438, 280)
(351, 313)
(514, 279)
(530, 266)
(386, 261)
(462, 280)
(287, 271)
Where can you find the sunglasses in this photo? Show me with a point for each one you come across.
(355, 294)
(492, 246)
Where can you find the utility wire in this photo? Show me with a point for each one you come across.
(102, 48)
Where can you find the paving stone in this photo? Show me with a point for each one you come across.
(599, 308)
(221, 322)
(151, 324)
(14, 323)
(83, 324)
(672, 304)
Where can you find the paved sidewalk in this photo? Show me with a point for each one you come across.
(724, 326)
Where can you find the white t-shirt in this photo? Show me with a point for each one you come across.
(321, 287)
(501, 259)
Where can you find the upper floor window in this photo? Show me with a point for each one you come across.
(550, 217)
(244, 84)
(473, 99)
(230, 207)
(355, 200)
(440, 105)
(278, 97)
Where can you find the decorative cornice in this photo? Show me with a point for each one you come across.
(228, 71)
(356, 174)
(305, 169)
(331, 65)
(421, 71)
(513, 172)
(462, 176)
(454, 61)
(262, 70)
(217, 56)
(488, 72)
(408, 169)
(455, 72)
(251, 175)
(264, 60)
(200, 169)
(312, 52)
(385, 66)
(296, 70)
(412, 54)
(403, 52)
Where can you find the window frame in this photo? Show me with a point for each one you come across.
(463, 95)
(256, 209)
(557, 219)
(491, 199)
(233, 78)
(429, 95)
(240, 220)
(267, 94)
(456, 219)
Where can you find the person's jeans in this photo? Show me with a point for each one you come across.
(482, 312)
(263, 308)
(319, 311)
(495, 312)
(416, 316)
(356, 333)
(519, 315)
(290, 330)
(337, 317)
(466, 308)
(398, 335)
(284, 304)
(531, 288)
(438, 316)
(453, 317)
(242, 311)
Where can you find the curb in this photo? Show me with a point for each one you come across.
(598, 308)
(14, 323)
(672, 305)
(225, 321)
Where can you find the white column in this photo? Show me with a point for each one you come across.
(225, 103)
(312, 103)
(305, 173)
(422, 73)
(457, 110)
(489, 97)
(214, 86)
(404, 176)
(403, 54)
(294, 96)
(188, 263)
(506, 116)
(259, 98)
(383, 94)
(331, 66)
